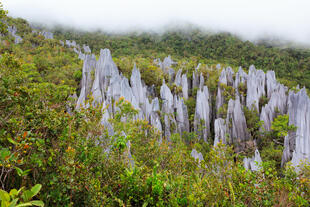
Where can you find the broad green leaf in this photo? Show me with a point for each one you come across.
(19, 171)
(4, 196)
(24, 204)
(27, 195)
(13, 193)
(35, 189)
(37, 203)
(13, 203)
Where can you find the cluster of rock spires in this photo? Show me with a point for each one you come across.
(13, 30)
(171, 116)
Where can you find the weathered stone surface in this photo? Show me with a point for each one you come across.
(277, 102)
(71, 43)
(47, 35)
(195, 83)
(178, 79)
(167, 108)
(62, 43)
(136, 84)
(218, 66)
(197, 155)
(299, 141)
(154, 117)
(184, 84)
(201, 81)
(255, 87)
(220, 130)
(253, 163)
(219, 96)
(167, 63)
(237, 128)
(13, 30)
(241, 78)
(88, 68)
(86, 49)
(229, 76)
(105, 69)
(202, 113)
(181, 116)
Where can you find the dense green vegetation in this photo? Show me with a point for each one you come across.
(289, 64)
(40, 143)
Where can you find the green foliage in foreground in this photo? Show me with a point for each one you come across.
(14, 197)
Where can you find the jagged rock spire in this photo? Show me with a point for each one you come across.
(202, 113)
(255, 87)
(299, 115)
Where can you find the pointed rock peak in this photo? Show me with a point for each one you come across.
(252, 69)
(105, 54)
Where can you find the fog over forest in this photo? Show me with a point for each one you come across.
(284, 19)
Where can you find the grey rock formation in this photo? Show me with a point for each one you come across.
(13, 30)
(254, 163)
(167, 108)
(181, 116)
(255, 87)
(229, 76)
(218, 66)
(178, 78)
(154, 116)
(220, 130)
(277, 103)
(219, 96)
(62, 43)
(47, 35)
(197, 155)
(299, 141)
(241, 78)
(86, 49)
(88, 69)
(237, 128)
(71, 43)
(105, 69)
(184, 84)
(202, 114)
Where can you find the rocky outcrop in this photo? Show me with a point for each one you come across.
(202, 114)
(255, 87)
(47, 35)
(184, 84)
(167, 109)
(236, 123)
(71, 43)
(276, 104)
(105, 70)
(220, 131)
(297, 144)
(13, 30)
(181, 116)
(87, 79)
(254, 163)
(86, 49)
(240, 79)
(197, 155)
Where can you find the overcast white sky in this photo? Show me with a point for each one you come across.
(288, 19)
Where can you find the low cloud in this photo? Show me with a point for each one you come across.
(251, 19)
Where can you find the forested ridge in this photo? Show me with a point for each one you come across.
(289, 63)
(56, 152)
